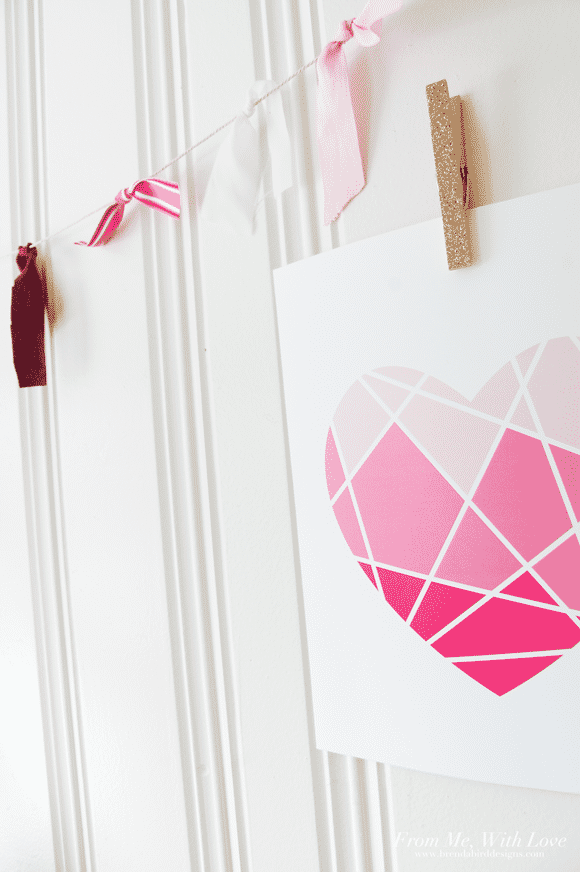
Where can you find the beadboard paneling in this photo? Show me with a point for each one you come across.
(152, 611)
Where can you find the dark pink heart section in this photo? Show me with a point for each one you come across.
(465, 514)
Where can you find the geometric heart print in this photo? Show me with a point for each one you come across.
(465, 515)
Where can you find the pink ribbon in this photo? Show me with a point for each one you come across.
(156, 193)
(340, 159)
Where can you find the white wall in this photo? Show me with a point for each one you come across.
(146, 502)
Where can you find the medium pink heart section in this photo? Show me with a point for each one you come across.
(464, 515)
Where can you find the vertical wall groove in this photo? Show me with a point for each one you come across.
(285, 38)
(53, 627)
(224, 726)
(212, 781)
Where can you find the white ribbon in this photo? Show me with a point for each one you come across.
(232, 192)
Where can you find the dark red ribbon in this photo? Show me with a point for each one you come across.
(27, 320)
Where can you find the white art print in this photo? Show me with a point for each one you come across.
(434, 428)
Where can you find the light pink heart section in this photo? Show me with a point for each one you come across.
(465, 514)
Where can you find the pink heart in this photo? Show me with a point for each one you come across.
(465, 514)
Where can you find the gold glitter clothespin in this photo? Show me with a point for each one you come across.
(448, 135)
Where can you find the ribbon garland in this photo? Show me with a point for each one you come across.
(235, 180)
(337, 136)
(338, 145)
(155, 193)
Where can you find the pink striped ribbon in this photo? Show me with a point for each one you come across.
(156, 193)
(338, 146)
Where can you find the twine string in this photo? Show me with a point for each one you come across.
(170, 163)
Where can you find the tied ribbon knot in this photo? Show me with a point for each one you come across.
(338, 144)
(155, 193)
(365, 36)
